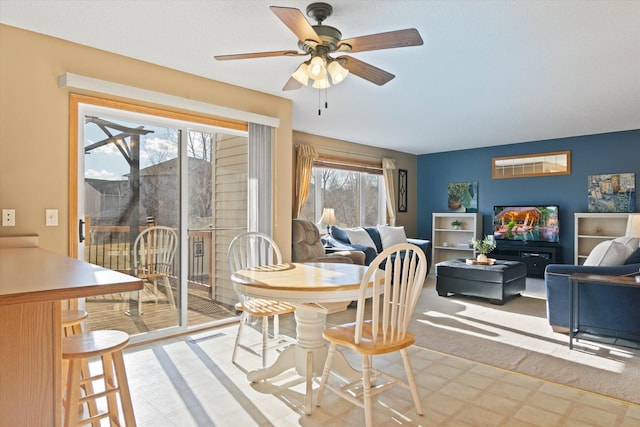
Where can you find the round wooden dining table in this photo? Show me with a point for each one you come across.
(315, 289)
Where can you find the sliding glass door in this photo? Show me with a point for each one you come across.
(160, 199)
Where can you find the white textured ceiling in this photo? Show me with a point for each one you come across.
(489, 72)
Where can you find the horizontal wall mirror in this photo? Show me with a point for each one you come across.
(541, 164)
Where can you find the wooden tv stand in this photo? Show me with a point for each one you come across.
(535, 258)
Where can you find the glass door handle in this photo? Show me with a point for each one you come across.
(81, 230)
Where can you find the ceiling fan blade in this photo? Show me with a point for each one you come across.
(296, 22)
(257, 55)
(391, 39)
(365, 71)
(292, 84)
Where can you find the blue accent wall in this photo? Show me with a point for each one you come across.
(617, 152)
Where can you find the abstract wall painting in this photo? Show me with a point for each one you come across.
(615, 192)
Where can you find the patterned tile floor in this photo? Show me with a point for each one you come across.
(190, 381)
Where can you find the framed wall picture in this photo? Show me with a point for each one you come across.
(402, 190)
(462, 196)
(614, 192)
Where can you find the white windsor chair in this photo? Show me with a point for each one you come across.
(248, 250)
(384, 328)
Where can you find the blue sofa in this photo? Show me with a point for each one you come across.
(611, 311)
(339, 239)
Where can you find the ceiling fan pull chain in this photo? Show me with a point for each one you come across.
(319, 109)
(326, 97)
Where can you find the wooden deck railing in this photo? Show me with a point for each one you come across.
(109, 247)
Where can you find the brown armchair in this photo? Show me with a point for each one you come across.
(307, 246)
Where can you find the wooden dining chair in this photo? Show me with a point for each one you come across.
(153, 253)
(249, 250)
(380, 326)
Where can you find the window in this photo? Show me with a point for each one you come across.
(358, 197)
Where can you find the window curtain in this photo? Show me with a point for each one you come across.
(259, 195)
(388, 166)
(304, 165)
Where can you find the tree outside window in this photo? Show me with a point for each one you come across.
(358, 198)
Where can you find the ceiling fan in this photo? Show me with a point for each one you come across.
(320, 42)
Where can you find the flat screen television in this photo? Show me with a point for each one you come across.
(532, 223)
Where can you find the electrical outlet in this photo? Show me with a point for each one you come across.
(51, 216)
(8, 217)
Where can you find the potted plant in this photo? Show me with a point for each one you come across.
(456, 224)
(483, 247)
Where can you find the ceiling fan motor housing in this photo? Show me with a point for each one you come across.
(319, 11)
(329, 36)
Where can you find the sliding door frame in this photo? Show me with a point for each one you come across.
(78, 103)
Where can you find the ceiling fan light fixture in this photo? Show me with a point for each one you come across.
(317, 69)
(321, 41)
(302, 74)
(322, 83)
(337, 72)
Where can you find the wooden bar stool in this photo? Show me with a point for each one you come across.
(72, 325)
(108, 345)
(72, 321)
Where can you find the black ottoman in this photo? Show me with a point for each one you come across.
(496, 282)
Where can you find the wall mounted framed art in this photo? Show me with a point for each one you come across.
(615, 192)
(402, 190)
(462, 196)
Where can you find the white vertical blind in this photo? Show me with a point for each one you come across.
(260, 178)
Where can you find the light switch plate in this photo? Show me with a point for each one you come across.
(51, 216)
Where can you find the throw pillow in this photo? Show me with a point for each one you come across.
(339, 234)
(391, 235)
(374, 233)
(359, 236)
(634, 258)
(630, 242)
(609, 252)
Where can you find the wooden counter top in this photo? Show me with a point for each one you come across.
(33, 282)
(34, 275)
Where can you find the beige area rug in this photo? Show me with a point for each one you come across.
(516, 336)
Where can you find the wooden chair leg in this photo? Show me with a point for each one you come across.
(366, 380)
(276, 326)
(325, 373)
(110, 384)
(88, 391)
(412, 381)
(123, 386)
(243, 320)
(265, 339)
(168, 290)
(73, 394)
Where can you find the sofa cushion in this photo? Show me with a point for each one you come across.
(359, 236)
(631, 243)
(391, 235)
(610, 252)
(634, 258)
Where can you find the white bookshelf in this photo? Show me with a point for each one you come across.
(593, 228)
(449, 243)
